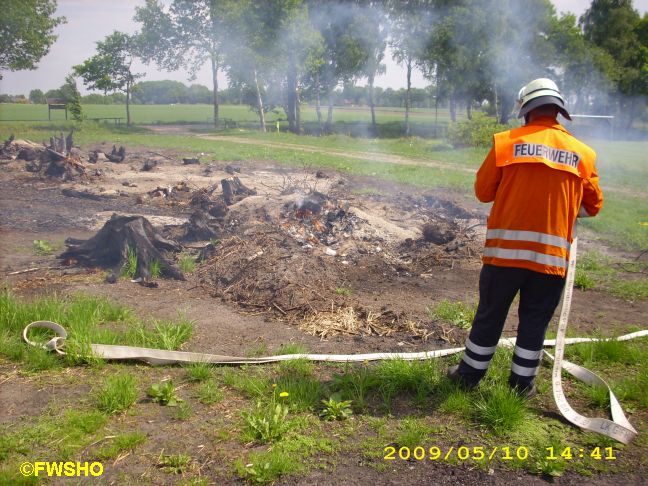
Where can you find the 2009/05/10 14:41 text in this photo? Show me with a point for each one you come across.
(505, 453)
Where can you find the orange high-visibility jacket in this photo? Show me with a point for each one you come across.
(541, 178)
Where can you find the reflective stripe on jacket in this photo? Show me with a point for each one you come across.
(539, 177)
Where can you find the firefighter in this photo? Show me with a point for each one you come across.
(540, 178)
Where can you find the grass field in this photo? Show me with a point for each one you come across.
(179, 113)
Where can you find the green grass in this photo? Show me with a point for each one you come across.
(501, 410)
(268, 466)
(186, 262)
(119, 445)
(155, 268)
(291, 348)
(118, 394)
(42, 247)
(208, 393)
(44, 435)
(596, 270)
(174, 463)
(343, 291)
(129, 269)
(199, 371)
(455, 313)
(630, 290)
(414, 432)
(606, 351)
(87, 319)
(202, 113)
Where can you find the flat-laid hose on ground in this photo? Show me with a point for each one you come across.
(618, 428)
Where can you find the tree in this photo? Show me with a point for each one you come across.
(73, 97)
(374, 41)
(37, 97)
(185, 36)
(267, 46)
(110, 69)
(343, 55)
(515, 55)
(406, 43)
(300, 48)
(585, 72)
(616, 27)
(26, 32)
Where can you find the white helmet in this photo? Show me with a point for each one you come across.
(541, 91)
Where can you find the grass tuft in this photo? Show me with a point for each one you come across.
(199, 371)
(129, 269)
(630, 290)
(501, 410)
(186, 262)
(413, 432)
(174, 463)
(118, 394)
(208, 393)
(268, 467)
(456, 313)
(155, 268)
(120, 444)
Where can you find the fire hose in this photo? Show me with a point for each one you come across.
(619, 428)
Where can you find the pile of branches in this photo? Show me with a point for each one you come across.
(443, 244)
(268, 270)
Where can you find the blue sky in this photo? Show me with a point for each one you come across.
(91, 20)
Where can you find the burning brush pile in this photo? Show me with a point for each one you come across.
(289, 255)
(316, 218)
(282, 261)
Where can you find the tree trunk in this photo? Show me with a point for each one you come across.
(329, 116)
(453, 107)
(128, 90)
(469, 110)
(259, 102)
(291, 111)
(214, 71)
(408, 99)
(374, 128)
(297, 112)
(506, 105)
(318, 105)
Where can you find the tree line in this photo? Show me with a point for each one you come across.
(278, 53)
(174, 92)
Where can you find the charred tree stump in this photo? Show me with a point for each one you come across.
(198, 228)
(234, 190)
(120, 235)
(5, 150)
(117, 155)
(57, 157)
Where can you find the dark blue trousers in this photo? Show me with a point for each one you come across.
(539, 296)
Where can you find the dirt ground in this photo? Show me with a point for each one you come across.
(385, 250)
